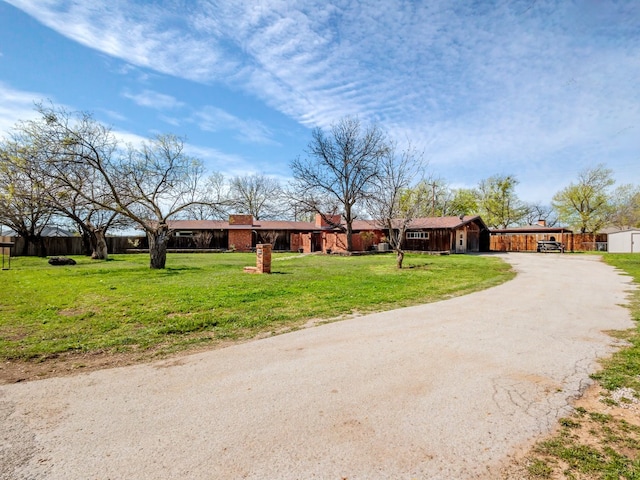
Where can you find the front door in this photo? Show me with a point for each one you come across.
(461, 241)
(316, 242)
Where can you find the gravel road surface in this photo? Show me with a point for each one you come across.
(439, 391)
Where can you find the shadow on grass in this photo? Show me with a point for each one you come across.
(176, 270)
(418, 267)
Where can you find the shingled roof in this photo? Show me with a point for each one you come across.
(532, 229)
(430, 223)
(225, 225)
(426, 223)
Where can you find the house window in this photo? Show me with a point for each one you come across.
(417, 235)
(184, 233)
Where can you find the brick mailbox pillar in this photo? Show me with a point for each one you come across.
(263, 258)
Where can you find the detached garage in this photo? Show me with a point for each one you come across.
(627, 241)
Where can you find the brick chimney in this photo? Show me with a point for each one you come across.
(542, 222)
(241, 220)
(322, 222)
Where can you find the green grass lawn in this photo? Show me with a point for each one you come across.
(122, 305)
(623, 369)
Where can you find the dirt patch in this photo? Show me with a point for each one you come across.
(14, 334)
(74, 363)
(14, 371)
(74, 312)
(594, 413)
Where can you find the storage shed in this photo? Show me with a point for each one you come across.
(626, 241)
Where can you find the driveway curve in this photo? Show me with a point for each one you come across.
(439, 391)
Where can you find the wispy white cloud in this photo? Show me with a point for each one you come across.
(215, 160)
(207, 118)
(316, 61)
(214, 119)
(501, 82)
(113, 115)
(176, 122)
(143, 34)
(218, 161)
(128, 138)
(16, 105)
(152, 99)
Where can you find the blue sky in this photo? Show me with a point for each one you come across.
(537, 89)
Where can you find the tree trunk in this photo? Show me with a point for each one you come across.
(349, 235)
(42, 248)
(395, 239)
(39, 247)
(87, 243)
(158, 240)
(99, 249)
(348, 220)
(25, 245)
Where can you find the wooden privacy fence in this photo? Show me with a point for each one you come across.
(52, 246)
(573, 242)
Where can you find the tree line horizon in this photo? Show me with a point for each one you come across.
(67, 168)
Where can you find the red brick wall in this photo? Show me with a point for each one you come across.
(241, 240)
(305, 241)
(295, 241)
(337, 242)
(263, 258)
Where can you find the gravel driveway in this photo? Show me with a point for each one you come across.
(439, 391)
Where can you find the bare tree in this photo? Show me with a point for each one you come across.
(216, 190)
(269, 236)
(257, 195)
(297, 211)
(92, 223)
(202, 239)
(22, 196)
(398, 197)
(161, 182)
(148, 184)
(536, 212)
(26, 162)
(35, 141)
(339, 170)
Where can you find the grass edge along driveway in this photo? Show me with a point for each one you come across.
(601, 439)
(123, 306)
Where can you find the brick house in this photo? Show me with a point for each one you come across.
(242, 233)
